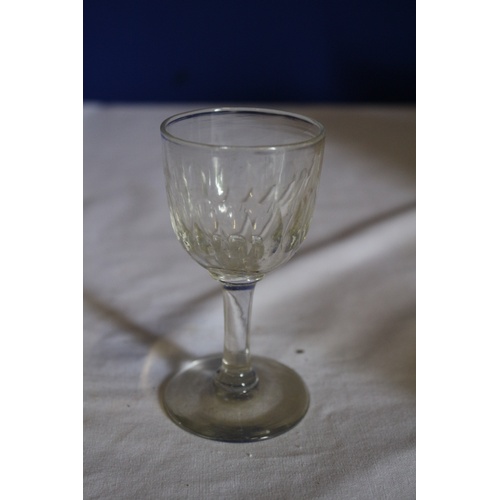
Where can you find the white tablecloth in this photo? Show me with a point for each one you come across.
(341, 313)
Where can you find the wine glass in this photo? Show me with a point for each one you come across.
(241, 186)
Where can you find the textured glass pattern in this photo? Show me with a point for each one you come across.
(241, 212)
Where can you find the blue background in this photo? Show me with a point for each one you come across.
(243, 51)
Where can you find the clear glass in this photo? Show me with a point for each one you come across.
(241, 186)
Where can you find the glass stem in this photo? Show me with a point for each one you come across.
(236, 374)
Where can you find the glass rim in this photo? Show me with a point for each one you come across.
(242, 109)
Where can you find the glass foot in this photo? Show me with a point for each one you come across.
(276, 404)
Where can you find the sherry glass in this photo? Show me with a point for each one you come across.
(241, 186)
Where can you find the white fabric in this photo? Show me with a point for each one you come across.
(347, 300)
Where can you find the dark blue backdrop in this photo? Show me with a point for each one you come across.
(259, 50)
